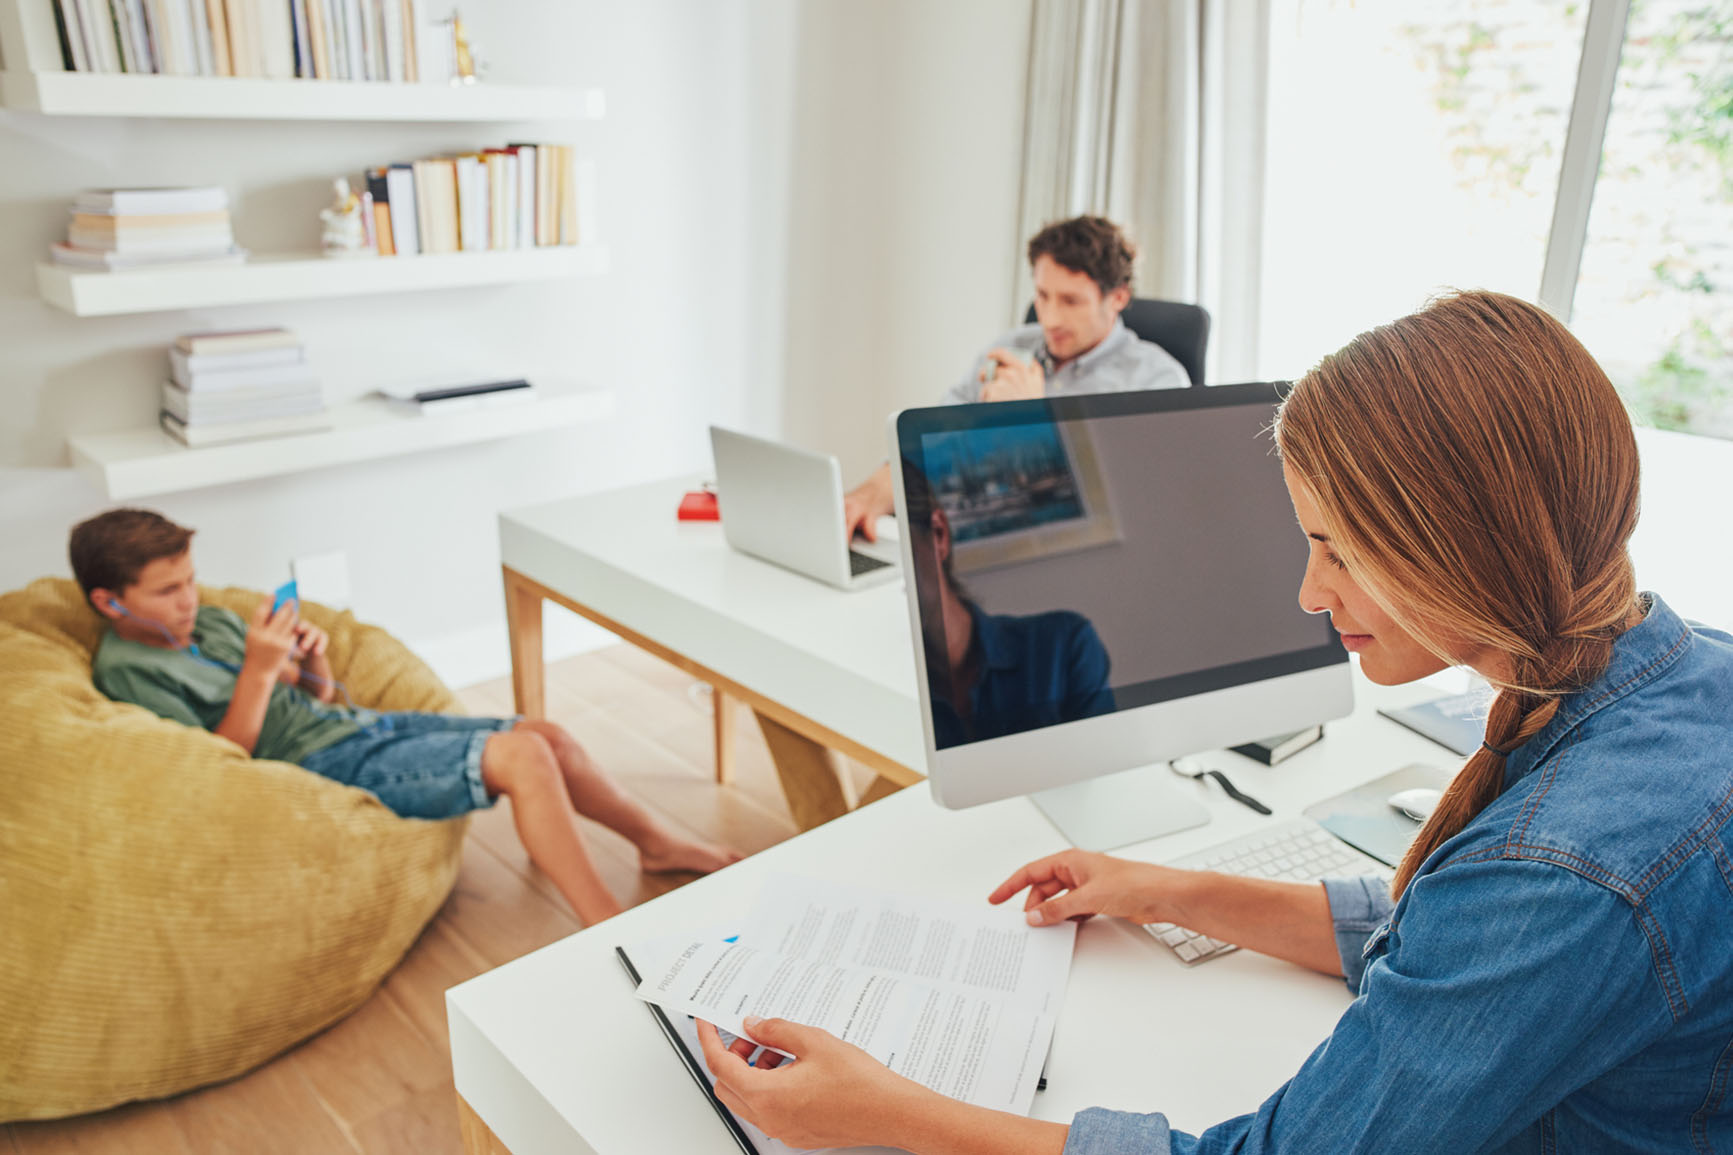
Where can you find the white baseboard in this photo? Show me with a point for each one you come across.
(483, 654)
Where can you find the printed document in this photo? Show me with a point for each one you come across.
(959, 998)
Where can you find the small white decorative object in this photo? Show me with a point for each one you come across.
(345, 233)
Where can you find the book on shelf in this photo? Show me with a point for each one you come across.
(517, 197)
(227, 433)
(74, 257)
(233, 341)
(456, 398)
(114, 228)
(293, 373)
(183, 364)
(200, 407)
(152, 201)
(354, 40)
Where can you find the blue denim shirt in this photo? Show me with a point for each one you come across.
(1558, 976)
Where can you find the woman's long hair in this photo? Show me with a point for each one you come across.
(1477, 474)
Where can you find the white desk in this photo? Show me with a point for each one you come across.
(554, 1053)
(821, 669)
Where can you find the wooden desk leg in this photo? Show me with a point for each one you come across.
(477, 1139)
(523, 615)
(808, 772)
(722, 718)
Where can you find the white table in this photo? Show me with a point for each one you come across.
(823, 670)
(553, 1053)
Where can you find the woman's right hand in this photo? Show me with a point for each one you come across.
(1078, 884)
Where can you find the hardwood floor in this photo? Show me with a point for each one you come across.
(379, 1083)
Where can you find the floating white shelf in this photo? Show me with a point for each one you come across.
(302, 276)
(243, 98)
(145, 462)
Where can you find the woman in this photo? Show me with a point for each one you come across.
(1553, 969)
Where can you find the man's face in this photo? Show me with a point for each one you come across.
(1074, 313)
(166, 594)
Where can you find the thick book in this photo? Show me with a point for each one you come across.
(292, 373)
(152, 200)
(190, 242)
(236, 341)
(239, 404)
(75, 257)
(405, 222)
(186, 364)
(1270, 751)
(198, 436)
(110, 222)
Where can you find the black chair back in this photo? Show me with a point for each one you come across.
(1181, 329)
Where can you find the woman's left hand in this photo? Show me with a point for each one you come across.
(837, 1095)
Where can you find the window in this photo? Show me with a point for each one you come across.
(1654, 294)
(1409, 148)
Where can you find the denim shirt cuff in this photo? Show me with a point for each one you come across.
(1358, 906)
(1098, 1131)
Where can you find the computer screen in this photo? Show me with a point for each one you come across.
(1101, 582)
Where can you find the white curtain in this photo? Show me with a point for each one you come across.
(1151, 113)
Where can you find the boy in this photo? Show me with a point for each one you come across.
(266, 686)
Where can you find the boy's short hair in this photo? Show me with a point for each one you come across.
(110, 550)
(1093, 246)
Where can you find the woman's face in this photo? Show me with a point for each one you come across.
(1388, 654)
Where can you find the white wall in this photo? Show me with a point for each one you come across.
(685, 329)
(908, 132)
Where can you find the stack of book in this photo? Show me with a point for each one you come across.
(129, 228)
(518, 197)
(240, 386)
(388, 40)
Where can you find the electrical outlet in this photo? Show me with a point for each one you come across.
(323, 578)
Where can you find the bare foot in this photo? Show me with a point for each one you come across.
(666, 853)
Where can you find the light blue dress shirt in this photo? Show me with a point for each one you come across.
(1559, 976)
(1121, 362)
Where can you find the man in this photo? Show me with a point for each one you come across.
(266, 685)
(1082, 270)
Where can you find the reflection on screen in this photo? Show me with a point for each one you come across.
(1067, 567)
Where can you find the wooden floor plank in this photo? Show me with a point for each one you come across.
(141, 1128)
(379, 1083)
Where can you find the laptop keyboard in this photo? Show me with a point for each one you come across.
(859, 563)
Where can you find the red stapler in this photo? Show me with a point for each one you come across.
(699, 505)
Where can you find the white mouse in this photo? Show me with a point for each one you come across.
(1418, 803)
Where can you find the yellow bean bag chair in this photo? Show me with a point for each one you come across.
(172, 912)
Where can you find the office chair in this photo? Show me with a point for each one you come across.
(1179, 328)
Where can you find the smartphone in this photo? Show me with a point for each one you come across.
(286, 592)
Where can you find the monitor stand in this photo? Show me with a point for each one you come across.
(1120, 809)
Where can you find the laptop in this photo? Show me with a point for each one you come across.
(784, 505)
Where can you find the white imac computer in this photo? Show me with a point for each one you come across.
(1098, 584)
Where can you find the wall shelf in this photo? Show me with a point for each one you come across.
(245, 98)
(145, 462)
(301, 277)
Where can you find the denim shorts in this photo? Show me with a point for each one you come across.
(419, 765)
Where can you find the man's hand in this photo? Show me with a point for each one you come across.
(270, 641)
(1078, 884)
(837, 1095)
(1014, 380)
(864, 505)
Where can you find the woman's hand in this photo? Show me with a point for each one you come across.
(837, 1095)
(1078, 884)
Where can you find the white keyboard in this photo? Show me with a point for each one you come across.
(1296, 851)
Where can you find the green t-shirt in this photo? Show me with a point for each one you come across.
(175, 685)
